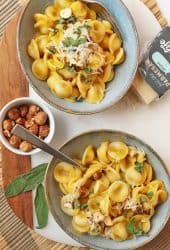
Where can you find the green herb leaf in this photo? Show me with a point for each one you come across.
(36, 170)
(143, 199)
(72, 68)
(84, 205)
(26, 182)
(85, 79)
(78, 99)
(69, 41)
(78, 31)
(131, 229)
(41, 207)
(87, 26)
(76, 204)
(33, 181)
(150, 194)
(15, 187)
(52, 49)
(139, 166)
(72, 19)
(35, 177)
(61, 21)
(88, 70)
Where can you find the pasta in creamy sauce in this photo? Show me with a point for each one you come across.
(113, 194)
(75, 51)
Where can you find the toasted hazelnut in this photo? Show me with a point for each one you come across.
(20, 121)
(44, 131)
(8, 124)
(29, 123)
(41, 118)
(7, 133)
(23, 110)
(15, 141)
(25, 146)
(29, 117)
(88, 183)
(147, 211)
(34, 129)
(97, 175)
(13, 114)
(84, 192)
(33, 109)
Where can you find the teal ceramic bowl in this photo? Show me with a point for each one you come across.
(125, 73)
(74, 148)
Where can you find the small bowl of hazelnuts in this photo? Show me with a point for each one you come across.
(34, 116)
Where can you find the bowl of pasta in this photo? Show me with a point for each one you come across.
(74, 58)
(119, 196)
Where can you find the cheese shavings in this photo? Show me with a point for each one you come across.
(76, 45)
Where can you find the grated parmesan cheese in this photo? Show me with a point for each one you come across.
(77, 55)
(131, 205)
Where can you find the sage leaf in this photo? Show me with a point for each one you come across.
(33, 181)
(143, 199)
(26, 182)
(36, 170)
(88, 70)
(69, 41)
(139, 167)
(41, 207)
(150, 194)
(132, 229)
(15, 187)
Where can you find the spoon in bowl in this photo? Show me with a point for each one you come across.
(25, 135)
(102, 13)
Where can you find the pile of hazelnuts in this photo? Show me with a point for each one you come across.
(32, 118)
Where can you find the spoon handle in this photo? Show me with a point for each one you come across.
(25, 135)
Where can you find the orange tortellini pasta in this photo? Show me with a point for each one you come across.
(113, 194)
(73, 42)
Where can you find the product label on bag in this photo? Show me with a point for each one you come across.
(155, 64)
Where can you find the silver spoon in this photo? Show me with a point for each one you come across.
(103, 13)
(25, 135)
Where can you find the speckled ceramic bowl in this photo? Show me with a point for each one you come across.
(124, 73)
(74, 148)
